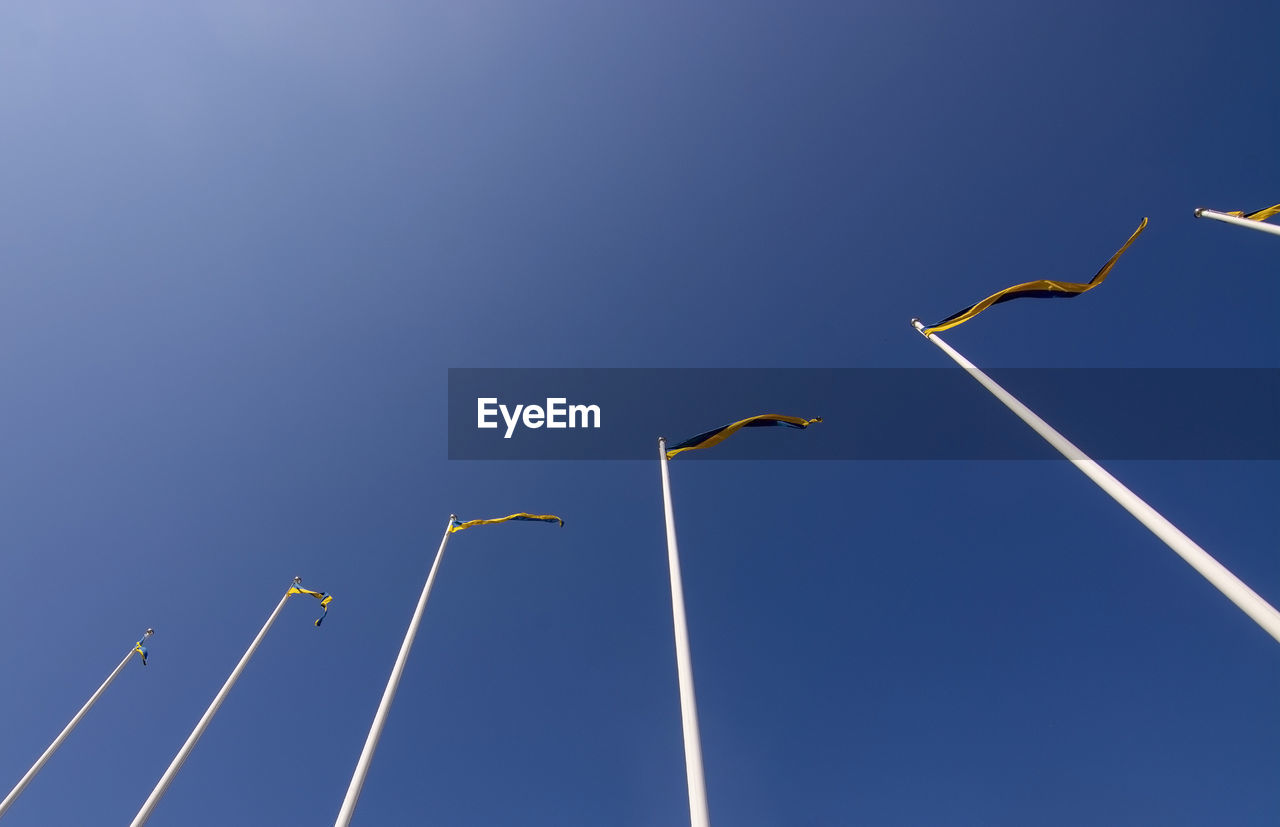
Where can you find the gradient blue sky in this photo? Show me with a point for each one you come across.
(241, 244)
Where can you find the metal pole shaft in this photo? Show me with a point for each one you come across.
(1262, 612)
(163, 784)
(62, 736)
(1260, 226)
(698, 814)
(388, 695)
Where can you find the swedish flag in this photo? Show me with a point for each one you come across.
(718, 435)
(141, 650)
(1260, 215)
(1042, 289)
(536, 518)
(325, 600)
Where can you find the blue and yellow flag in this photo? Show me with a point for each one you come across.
(1260, 215)
(1042, 289)
(718, 435)
(141, 650)
(536, 518)
(325, 600)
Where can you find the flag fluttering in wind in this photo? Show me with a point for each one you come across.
(1260, 215)
(157, 792)
(718, 435)
(361, 772)
(534, 518)
(9, 799)
(695, 777)
(1042, 289)
(1249, 220)
(325, 600)
(1235, 590)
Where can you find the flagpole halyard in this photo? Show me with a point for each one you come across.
(695, 778)
(388, 695)
(1261, 226)
(1252, 604)
(162, 785)
(66, 731)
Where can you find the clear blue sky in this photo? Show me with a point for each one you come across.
(241, 243)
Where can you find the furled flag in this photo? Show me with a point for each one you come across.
(141, 650)
(1042, 289)
(1260, 215)
(718, 435)
(536, 518)
(324, 599)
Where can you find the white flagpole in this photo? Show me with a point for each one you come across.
(698, 816)
(62, 736)
(163, 784)
(1261, 226)
(1262, 612)
(388, 695)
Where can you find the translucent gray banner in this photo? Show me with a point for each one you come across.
(868, 413)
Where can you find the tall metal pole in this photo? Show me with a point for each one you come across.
(1260, 226)
(163, 784)
(62, 736)
(388, 695)
(1262, 612)
(695, 778)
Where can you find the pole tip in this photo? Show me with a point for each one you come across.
(297, 579)
(149, 632)
(1199, 212)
